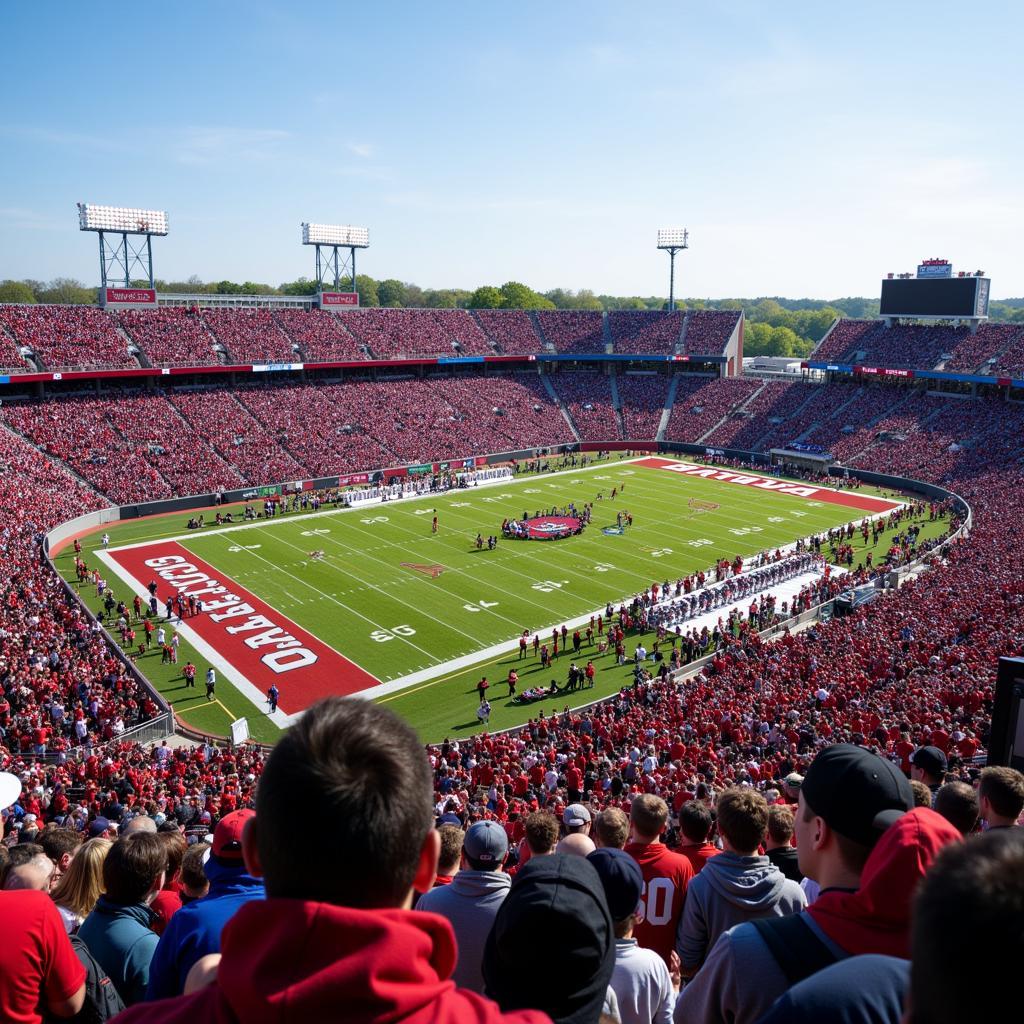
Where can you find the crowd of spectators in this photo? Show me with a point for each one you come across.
(642, 398)
(171, 336)
(1011, 361)
(320, 335)
(573, 330)
(250, 336)
(11, 359)
(800, 408)
(708, 330)
(972, 352)
(511, 331)
(702, 401)
(408, 333)
(68, 337)
(588, 397)
(645, 331)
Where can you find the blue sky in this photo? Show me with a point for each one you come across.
(809, 147)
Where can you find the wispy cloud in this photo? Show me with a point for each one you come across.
(361, 149)
(201, 145)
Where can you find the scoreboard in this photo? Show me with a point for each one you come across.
(957, 298)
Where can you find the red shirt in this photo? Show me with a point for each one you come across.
(36, 958)
(698, 856)
(666, 876)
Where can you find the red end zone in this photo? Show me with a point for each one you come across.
(851, 499)
(262, 644)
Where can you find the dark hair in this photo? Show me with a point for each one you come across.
(362, 774)
(23, 853)
(1004, 789)
(192, 874)
(611, 826)
(974, 888)
(451, 848)
(696, 821)
(541, 831)
(781, 823)
(957, 802)
(854, 855)
(174, 847)
(58, 841)
(742, 818)
(131, 866)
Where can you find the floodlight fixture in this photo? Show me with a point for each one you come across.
(131, 246)
(673, 240)
(328, 240)
(344, 235)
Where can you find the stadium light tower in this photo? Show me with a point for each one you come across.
(122, 253)
(331, 238)
(673, 240)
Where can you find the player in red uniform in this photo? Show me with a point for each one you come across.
(666, 876)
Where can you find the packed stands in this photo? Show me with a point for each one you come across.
(249, 335)
(172, 336)
(588, 397)
(702, 401)
(573, 331)
(645, 331)
(972, 352)
(408, 333)
(846, 336)
(708, 330)
(68, 337)
(11, 359)
(809, 405)
(321, 335)
(642, 398)
(1012, 360)
(510, 330)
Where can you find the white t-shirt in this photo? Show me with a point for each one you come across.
(642, 985)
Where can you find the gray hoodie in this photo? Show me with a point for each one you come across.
(470, 902)
(729, 890)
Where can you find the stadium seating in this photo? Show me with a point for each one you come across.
(321, 336)
(510, 330)
(11, 359)
(645, 331)
(249, 336)
(172, 336)
(642, 398)
(708, 330)
(573, 331)
(588, 397)
(68, 337)
(408, 333)
(702, 401)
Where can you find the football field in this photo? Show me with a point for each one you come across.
(396, 612)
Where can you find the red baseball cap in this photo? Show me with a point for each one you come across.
(227, 836)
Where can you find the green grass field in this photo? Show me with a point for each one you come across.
(396, 621)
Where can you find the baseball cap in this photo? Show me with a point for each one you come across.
(97, 827)
(10, 789)
(794, 780)
(486, 842)
(930, 760)
(622, 880)
(227, 836)
(576, 815)
(859, 794)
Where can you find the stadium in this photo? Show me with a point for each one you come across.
(498, 660)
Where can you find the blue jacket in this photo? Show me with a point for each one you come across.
(121, 939)
(194, 931)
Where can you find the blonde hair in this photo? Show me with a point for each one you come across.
(81, 885)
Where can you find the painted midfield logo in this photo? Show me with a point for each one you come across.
(433, 571)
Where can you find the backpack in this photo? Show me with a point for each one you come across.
(796, 948)
(102, 1001)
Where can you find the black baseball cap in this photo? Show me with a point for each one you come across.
(930, 760)
(859, 794)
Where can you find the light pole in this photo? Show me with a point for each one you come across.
(673, 240)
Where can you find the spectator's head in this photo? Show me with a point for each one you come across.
(623, 885)
(611, 828)
(452, 838)
(133, 871)
(957, 802)
(29, 868)
(226, 849)
(194, 883)
(848, 798)
(742, 819)
(61, 845)
(541, 833)
(560, 901)
(695, 823)
(362, 774)
(140, 823)
(928, 765)
(1001, 795)
(780, 826)
(791, 786)
(577, 818)
(81, 885)
(975, 889)
(99, 828)
(648, 816)
(485, 846)
(576, 844)
(174, 847)
(922, 794)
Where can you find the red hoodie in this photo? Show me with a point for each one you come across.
(876, 918)
(290, 961)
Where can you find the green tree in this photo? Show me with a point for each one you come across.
(367, 288)
(486, 297)
(16, 291)
(67, 291)
(518, 296)
(391, 293)
(301, 286)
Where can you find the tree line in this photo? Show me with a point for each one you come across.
(775, 326)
